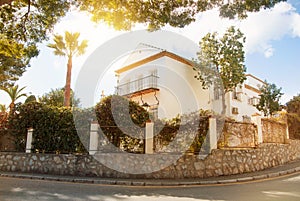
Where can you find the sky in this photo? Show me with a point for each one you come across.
(272, 48)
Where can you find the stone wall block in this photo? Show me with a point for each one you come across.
(219, 162)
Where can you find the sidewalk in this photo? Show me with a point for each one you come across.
(274, 172)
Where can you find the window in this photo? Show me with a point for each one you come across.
(234, 94)
(253, 101)
(235, 110)
(237, 94)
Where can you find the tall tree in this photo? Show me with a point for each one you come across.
(14, 93)
(293, 117)
(69, 47)
(220, 62)
(224, 56)
(56, 98)
(269, 99)
(157, 13)
(293, 106)
(14, 58)
(23, 24)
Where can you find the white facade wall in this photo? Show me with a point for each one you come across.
(242, 103)
(179, 92)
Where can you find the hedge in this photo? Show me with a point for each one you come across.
(54, 129)
(123, 124)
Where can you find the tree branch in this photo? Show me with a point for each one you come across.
(25, 18)
(2, 2)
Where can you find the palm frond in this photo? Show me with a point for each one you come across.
(14, 92)
(3, 108)
(58, 46)
(82, 47)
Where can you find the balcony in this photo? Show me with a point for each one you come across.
(138, 87)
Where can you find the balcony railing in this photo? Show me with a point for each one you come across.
(136, 87)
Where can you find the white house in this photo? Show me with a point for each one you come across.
(165, 82)
(243, 99)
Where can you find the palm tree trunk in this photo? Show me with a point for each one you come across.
(12, 107)
(68, 83)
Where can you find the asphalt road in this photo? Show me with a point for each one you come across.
(285, 188)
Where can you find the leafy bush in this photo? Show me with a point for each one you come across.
(3, 120)
(167, 131)
(6, 143)
(293, 117)
(123, 125)
(56, 98)
(126, 117)
(54, 129)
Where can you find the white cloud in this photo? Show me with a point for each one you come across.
(263, 27)
(269, 51)
(260, 28)
(295, 23)
(206, 22)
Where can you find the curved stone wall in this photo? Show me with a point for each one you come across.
(219, 162)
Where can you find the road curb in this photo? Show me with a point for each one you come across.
(132, 182)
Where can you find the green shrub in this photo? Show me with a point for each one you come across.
(126, 117)
(54, 129)
(167, 130)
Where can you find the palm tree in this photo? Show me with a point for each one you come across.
(68, 47)
(14, 93)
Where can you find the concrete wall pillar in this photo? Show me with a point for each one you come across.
(149, 130)
(29, 140)
(94, 138)
(213, 140)
(287, 132)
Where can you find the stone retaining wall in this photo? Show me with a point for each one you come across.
(238, 135)
(273, 131)
(219, 162)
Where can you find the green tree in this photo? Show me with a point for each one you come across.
(293, 106)
(158, 13)
(14, 58)
(68, 47)
(223, 57)
(269, 99)
(14, 93)
(293, 117)
(30, 99)
(23, 24)
(56, 98)
(220, 62)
